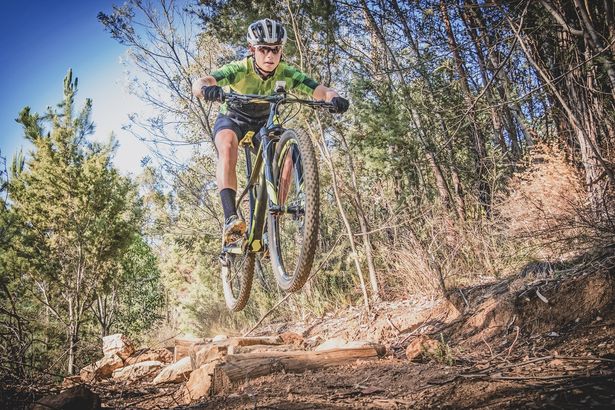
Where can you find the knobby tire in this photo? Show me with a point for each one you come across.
(292, 276)
(237, 288)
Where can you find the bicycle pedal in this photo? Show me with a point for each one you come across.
(233, 247)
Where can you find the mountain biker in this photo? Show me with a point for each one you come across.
(259, 73)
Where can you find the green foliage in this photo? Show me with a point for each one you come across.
(140, 293)
(77, 216)
(442, 353)
(229, 19)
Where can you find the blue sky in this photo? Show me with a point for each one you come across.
(41, 41)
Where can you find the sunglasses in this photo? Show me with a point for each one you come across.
(266, 49)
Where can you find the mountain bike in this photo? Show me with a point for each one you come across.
(280, 202)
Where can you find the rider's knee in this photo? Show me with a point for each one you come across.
(226, 143)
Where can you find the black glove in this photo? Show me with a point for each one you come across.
(340, 105)
(213, 93)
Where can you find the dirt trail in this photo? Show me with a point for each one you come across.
(533, 341)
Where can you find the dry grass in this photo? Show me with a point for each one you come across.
(544, 204)
(544, 216)
(443, 252)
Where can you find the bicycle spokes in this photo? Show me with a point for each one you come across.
(294, 219)
(291, 209)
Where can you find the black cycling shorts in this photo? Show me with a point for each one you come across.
(238, 125)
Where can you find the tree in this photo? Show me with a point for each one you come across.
(574, 55)
(14, 335)
(78, 214)
(133, 299)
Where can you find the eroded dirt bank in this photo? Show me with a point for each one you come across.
(542, 339)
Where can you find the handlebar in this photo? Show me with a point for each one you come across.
(279, 98)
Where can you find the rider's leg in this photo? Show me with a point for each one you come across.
(226, 174)
(226, 177)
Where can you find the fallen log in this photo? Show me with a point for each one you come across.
(241, 367)
(251, 341)
(261, 349)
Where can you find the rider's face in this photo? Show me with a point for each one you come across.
(267, 57)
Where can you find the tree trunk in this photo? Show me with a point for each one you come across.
(477, 145)
(496, 121)
(574, 104)
(512, 110)
(354, 254)
(241, 367)
(595, 44)
(73, 338)
(104, 312)
(363, 222)
(435, 165)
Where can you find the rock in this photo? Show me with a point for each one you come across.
(75, 398)
(420, 346)
(71, 381)
(118, 344)
(199, 384)
(137, 371)
(102, 369)
(184, 344)
(144, 355)
(176, 372)
(207, 353)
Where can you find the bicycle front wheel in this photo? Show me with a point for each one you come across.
(293, 224)
(237, 262)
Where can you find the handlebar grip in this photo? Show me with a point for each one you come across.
(208, 90)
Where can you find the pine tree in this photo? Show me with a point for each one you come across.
(78, 213)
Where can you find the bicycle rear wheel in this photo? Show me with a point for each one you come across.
(293, 226)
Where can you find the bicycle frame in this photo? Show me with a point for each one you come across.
(262, 170)
(269, 134)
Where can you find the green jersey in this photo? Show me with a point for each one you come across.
(241, 77)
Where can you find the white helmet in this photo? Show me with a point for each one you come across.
(266, 32)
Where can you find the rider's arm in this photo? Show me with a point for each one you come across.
(199, 83)
(225, 75)
(301, 82)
